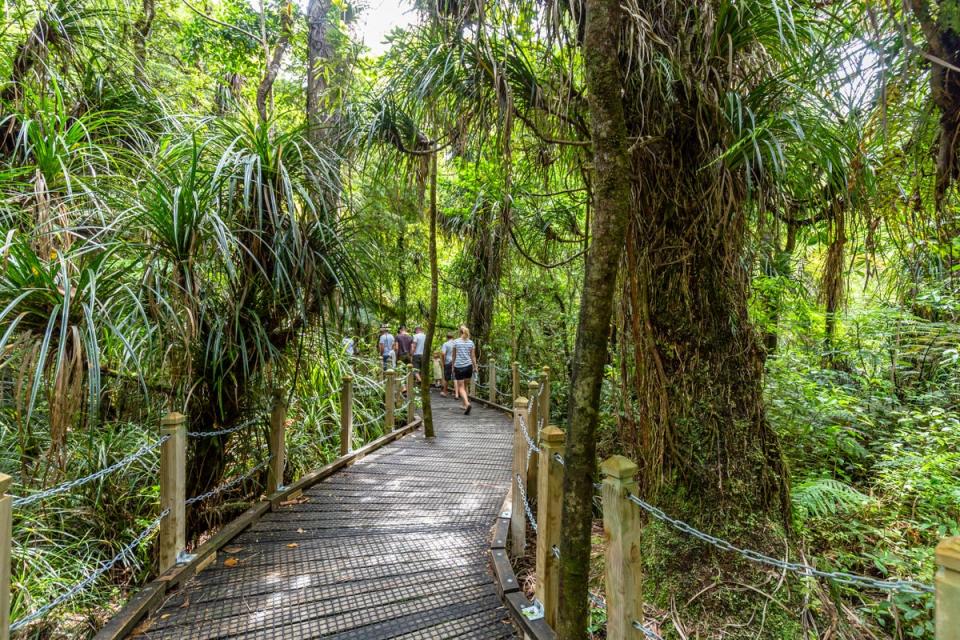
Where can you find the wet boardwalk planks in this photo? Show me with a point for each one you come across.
(394, 546)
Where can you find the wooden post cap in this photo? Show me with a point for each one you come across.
(520, 402)
(516, 363)
(172, 419)
(391, 372)
(533, 384)
(546, 369)
(347, 378)
(619, 467)
(552, 435)
(948, 553)
(5, 482)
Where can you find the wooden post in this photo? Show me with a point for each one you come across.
(533, 469)
(947, 584)
(543, 411)
(412, 388)
(621, 531)
(492, 367)
(472, 389)
(6, 540)
(278, 444)
(173, 487)
(390, 399)
(515, 379)
(346, 415)
(518, 521)
(549, 507)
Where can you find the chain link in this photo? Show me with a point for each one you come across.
(559, 459)
(379, 418)
(901, 586)
(531, 445)
(319, 399)
(71, 484)
(223, 432)
(90, 579)
(229, 485)
(645, 631)
(526, 505)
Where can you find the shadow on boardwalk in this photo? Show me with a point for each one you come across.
(395, 546)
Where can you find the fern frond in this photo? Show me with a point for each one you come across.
(821, 497)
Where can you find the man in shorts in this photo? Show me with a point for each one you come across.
(447, 352)
(419, 342)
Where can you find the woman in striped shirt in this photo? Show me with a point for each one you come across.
(464, 363)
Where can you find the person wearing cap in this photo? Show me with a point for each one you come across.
(419, 342)
(387, 346)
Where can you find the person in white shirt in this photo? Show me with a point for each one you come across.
(464, 364)
(446, 352)
(348, 346)
(419, 342)
(387, 346)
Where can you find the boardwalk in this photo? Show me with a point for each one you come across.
(393, 547)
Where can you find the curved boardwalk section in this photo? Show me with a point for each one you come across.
(394, 546)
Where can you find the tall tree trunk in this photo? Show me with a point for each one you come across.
(427, 360)
(273, 62)
(943, 46)
(143, 27)
(832, 286)
(402, 278)
(322, 112)
(611, 211)
(488, 248)
(319, 53)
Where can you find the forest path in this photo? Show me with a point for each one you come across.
(394, 546)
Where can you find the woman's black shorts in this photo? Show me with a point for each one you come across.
(463, 373)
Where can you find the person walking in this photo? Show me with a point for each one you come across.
(446, 353)
(387, 345)
(419, 342)
(404, 342)
(349, 346)
(464, 364)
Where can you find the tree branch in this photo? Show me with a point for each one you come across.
(516, 243)
(226, 25)
(548, 139)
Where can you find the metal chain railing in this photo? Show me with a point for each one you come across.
(600, 603)
(374, 420)
(318, 399)
(72, 484)
(531, 445)
(645, 631)
(900, 586)
(228, 485)
(223, 432)
(526, 504)
(90, 579)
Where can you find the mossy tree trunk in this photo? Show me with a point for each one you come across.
(611, 211)
(425, 373)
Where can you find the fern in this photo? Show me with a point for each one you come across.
(821, 497)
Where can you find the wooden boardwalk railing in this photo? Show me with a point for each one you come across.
(391, 540)
(393, 546)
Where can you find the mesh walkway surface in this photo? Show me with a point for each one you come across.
(394, 546)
